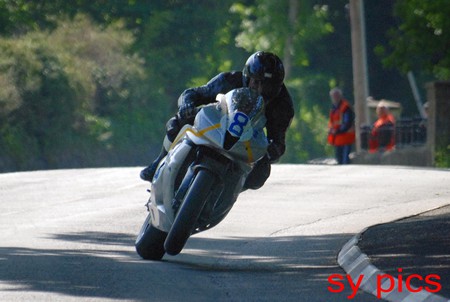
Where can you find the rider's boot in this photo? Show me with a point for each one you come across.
(148, 173)
(173, 127)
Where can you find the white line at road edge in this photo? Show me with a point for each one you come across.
(357, 264)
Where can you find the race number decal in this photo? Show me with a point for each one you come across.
(240, 120)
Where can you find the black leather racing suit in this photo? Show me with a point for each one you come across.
(279, 112)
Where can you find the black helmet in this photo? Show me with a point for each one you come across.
(266, 67)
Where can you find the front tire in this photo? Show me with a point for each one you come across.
(189, 212)
(150, 241)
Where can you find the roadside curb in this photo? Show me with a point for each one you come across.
(356, 264)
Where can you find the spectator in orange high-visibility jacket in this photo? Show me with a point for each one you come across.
(382, 136)
(341, 126)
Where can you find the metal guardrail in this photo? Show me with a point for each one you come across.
(407, 131)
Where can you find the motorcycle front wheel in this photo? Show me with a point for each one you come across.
(150, 241)
(189, 212)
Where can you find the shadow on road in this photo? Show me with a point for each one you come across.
(252, 267)
(418, 245)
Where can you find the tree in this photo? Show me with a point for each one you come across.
(21, 16)
(284, 27)
(122, 69)
(291, 29)
(185, 43)
(59, 83)
(422, 39)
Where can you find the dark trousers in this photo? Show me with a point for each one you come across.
(342, 154)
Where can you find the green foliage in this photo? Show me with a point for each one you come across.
(92, 82)
(21, 16)
(67, 89)
(290, 29)
(117, 109)
(421, 41)
(280, 26)
(45, 97)
(9, 95)
(442, 157)
(306, 137)
(181, 51)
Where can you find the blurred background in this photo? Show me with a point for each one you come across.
(91, 83)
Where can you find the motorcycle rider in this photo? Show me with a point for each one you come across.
(263, 72)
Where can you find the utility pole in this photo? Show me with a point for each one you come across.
(359, 59)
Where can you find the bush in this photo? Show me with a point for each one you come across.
(443, 157)
(69, 96)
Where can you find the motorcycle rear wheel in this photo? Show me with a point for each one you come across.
(150, 241)
(189, 212)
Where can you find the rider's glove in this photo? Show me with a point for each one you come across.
(187, 110)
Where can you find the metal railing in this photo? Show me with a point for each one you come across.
(407, 131)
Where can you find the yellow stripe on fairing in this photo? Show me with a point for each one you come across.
(203, 131)
(196, 133)
(249, 151)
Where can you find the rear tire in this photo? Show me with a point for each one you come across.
(150, 241)
(189, 212)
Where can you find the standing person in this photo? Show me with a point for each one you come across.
(341, 127)
(382, 136)
(264, 73)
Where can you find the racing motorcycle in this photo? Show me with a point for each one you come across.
(197, 183)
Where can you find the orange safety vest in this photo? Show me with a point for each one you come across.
(344, 138)
(374, 145)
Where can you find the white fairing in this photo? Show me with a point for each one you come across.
(209, 129)
(252, 143)
(163, 187)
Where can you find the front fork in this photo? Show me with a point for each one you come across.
(206, 159)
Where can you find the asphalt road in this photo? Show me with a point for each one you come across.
(68, 235)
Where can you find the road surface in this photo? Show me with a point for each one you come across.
(68, 235)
